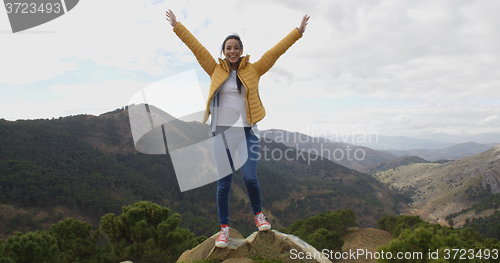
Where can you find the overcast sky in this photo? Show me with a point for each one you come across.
(405, 68)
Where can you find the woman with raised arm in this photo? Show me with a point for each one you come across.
(234, 101)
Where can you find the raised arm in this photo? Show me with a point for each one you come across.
(266, 62)
(205, 59)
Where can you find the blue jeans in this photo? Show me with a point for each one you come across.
(248, 154)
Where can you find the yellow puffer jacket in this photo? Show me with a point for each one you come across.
(249, 73)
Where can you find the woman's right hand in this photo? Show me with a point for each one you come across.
(171, 18)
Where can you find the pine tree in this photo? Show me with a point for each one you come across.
(146, 232)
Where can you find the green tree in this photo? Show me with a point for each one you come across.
(145, 232)
(395, 225)
(75, 240)
(38, 246)
(324, 230)
(337, 221)
(325, 239)
(386, 223)
(349, 218)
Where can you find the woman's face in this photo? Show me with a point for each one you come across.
(232, 50)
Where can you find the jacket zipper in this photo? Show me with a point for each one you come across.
(218, 88)
(258, 95)
(246, 98)
(215, 94)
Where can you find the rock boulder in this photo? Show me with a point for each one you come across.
(270, 244)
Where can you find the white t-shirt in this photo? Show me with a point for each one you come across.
(232, 104)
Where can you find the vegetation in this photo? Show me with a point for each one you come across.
(147, 232)
(324, 231)
(395, 225)
(144, 232)
(442, 161)
(488, 227)
(263, 260)
(67, 241)
(88, 165)
(49, 163)
(420, 241)
(493, 202)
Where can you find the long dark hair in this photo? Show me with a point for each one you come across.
(234, 36)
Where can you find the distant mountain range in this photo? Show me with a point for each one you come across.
(365, 159)
(401, 143)
(449, 153)
(349, 155)
(485, 138)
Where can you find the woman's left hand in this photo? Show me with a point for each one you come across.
(303, 24)
(171, 18)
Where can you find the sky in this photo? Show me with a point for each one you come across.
(391, 67)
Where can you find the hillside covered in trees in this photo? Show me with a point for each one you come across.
(88, 166)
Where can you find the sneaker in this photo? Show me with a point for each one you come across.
(261, 222)
(223, 237)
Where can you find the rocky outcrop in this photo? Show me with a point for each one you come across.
(270, 244)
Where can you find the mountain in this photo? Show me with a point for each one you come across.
(391, 164)
(85, 166)
(447, 188)
(402, 143)
(448, 153)
(349, 155)
(485, 138)
(384, 142)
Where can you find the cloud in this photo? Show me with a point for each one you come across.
(400, 67)
(403, 119)
(390, 49)
(388, 120)
(493, 120)
(75, 99)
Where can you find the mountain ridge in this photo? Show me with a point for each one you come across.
(443, 189)
(456, 151)
(349, 155)
(93, 168)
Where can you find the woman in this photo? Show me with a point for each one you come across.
(234, 101)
